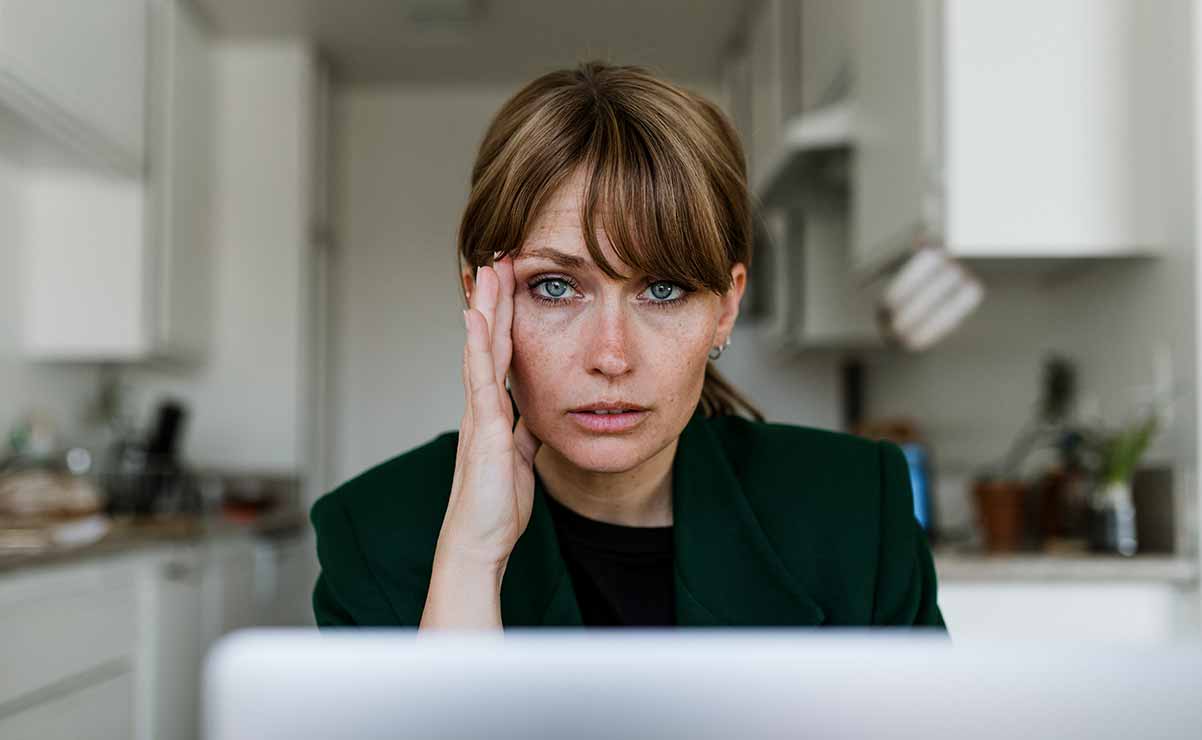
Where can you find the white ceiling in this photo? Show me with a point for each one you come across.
(450, 41)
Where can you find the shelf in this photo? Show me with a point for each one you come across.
(819, 130)
(953, 566)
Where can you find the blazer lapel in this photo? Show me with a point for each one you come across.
(727, 573)
(536, 589)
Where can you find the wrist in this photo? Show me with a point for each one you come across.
(466, 564)
(464, 592)
(466, 557)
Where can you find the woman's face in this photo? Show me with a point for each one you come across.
(582, 338)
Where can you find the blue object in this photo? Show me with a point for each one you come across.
(916, 457)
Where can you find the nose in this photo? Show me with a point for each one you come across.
(608, 348)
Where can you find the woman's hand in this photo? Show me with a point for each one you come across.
(493, 488)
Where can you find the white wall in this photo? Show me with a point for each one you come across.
(403, 156)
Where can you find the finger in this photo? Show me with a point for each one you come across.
(524, 440)
(465, 376)
(486, 298)
(484, 400)
(502, 339)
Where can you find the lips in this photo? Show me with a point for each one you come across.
(609, 417)
(610, 406)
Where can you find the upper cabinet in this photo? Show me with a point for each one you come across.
(76, 69)
(118, 265)
(180, 180)
(786, 87)
(1017, 129)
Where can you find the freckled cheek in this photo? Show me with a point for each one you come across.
(542, 353)
(676, 351)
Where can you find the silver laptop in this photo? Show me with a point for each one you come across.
(302, 685)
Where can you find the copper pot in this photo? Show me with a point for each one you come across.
(1000, 513)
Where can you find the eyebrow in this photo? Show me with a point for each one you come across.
(563, 259)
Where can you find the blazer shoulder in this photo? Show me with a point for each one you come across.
(844, 501)
(413, 484)
(376, 535)
(778, 458)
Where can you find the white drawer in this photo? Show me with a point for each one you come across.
(58, 623)
(98, 711)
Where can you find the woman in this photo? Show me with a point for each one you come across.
(600, 475)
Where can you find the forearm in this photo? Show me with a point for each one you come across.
(464, 594)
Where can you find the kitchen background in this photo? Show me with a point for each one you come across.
(227, 283)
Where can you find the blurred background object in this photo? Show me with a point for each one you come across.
(927, 297)
(905, 433)
(226, 227)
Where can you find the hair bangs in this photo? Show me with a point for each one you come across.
(649, 190)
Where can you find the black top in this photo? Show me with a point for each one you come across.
(622, 575)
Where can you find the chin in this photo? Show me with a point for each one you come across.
(604, 453)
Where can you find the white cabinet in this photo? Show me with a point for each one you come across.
(76, 69)
(1017, 129)
(785, 88)
(835, 311)
(825, 54)
(117, 266)
(196, 593)
(773, 49)
(1105, 611)
(114, 648)
(180, 180)
(285, 570)
(101, 710)
(69, 649)
(172, 584)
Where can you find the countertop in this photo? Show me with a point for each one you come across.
(127, 536)
(958, 566)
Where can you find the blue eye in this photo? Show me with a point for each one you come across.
(662, 290)
(556, 288)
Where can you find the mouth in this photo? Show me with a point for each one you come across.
(609, 417)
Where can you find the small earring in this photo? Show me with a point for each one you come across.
(719, 350)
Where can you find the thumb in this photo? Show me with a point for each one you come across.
(527, 444)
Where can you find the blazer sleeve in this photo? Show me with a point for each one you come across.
(906, 589)
(346, 593)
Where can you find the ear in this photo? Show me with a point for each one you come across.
(730, 303)
(469, 284)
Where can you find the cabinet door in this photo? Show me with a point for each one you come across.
(79, 62)
(1138, 612)
(228, 589)
(896, 147)
(285, 572)
(766, 104)
(88, 614)
(835, 311)
(825, 51)
(174, 648)
(1056, 118)
(98, 711)
(181, 176)
(85, 267)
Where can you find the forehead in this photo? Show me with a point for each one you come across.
(557, 233)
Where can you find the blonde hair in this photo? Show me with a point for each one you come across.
(665, 163)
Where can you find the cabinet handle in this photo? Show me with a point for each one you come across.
(176, 571)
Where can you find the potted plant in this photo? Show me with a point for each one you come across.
(1112, 509)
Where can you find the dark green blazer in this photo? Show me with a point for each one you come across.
(774, 525)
